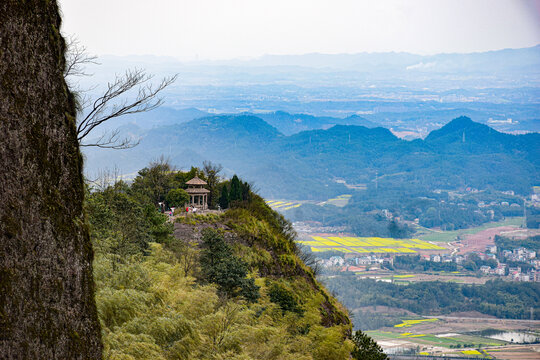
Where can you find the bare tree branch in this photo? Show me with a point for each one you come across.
(114, 102)
(112, 140)
(77, 58)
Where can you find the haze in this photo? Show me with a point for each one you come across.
(216, 29)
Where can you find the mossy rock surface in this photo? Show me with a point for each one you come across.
(47, 308)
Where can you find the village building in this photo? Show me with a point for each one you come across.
(198, 195)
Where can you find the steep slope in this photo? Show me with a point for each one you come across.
(231, 285)
(265, 240)
(47, 308)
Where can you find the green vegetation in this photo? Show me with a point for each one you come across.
(447, 236)
(366, 348)
(499, 298)
(533, 217)
(177, 197)
(504, 243)
(455, 214)
(417, 263)
(238, 290)
(220, 266)
(309, 162)
(286, 300)
(474, 262)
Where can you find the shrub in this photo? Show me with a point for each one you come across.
(221, 267)
(285, 299)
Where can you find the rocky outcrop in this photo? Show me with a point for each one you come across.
(47, 308)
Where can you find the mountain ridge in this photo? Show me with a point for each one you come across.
(316, 158)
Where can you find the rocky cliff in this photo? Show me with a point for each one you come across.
(47, 308)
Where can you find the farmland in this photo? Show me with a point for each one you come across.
(368, 245)
(339, 201)
(457, 336)
(283, 204)
(448, 236)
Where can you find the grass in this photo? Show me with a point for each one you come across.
(448, 236)
(368, 245)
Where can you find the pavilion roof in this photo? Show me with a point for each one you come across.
(197, 191)
(196, 181)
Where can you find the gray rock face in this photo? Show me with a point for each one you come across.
(47, 307)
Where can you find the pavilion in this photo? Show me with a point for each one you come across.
(198, 195)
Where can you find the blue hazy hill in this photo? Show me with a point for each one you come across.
(307, 164)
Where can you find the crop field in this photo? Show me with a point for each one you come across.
(447, 236)
(429, 342)
(283, 204)
(367, 245)
(409, 323)
(339, 201)
(452, 336)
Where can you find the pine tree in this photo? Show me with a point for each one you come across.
(245, 190)
(221, 267)
(224, 198)
(365, 348)
(236, 191)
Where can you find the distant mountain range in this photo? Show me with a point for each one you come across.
(319, 163)
(289, 124)
(524, 59)
(284, 122)
(521, 59)
(409, 93)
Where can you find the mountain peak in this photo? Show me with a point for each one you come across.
(461, 122)
(458, 127)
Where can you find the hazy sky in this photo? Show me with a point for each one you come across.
(222, 29)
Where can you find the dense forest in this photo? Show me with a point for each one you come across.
(234, 288)
(502, 299)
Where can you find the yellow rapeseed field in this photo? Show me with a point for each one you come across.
(348, 244)
(409, 323)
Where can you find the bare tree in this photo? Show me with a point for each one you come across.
(212, 172)
(114, 101)
(77, 58)
(105, 178)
